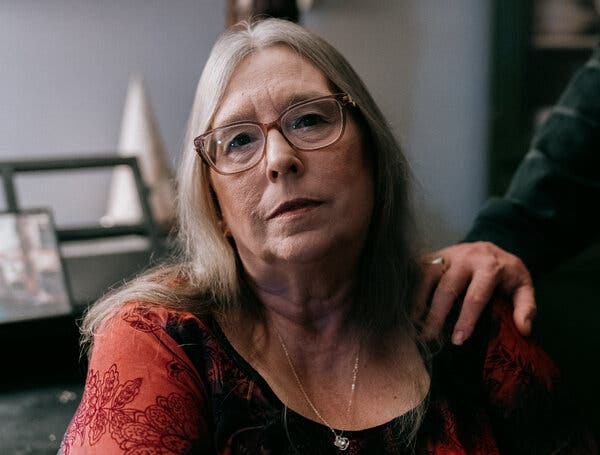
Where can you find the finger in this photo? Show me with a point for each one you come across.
(524, 308)
(431, 274)
(445, 295)
(477, 297)
(517, 283)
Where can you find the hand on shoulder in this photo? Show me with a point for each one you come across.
(476, 271)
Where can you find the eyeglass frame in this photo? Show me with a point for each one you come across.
(343, 99)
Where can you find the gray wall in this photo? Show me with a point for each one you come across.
(65, 65)
(426, 62)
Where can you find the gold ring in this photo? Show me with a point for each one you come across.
(438, 261)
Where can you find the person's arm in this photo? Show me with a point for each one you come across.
(142, 394)
(548, 213)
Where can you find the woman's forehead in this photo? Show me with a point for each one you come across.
(269, 79)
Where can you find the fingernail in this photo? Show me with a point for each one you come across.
(458, 337)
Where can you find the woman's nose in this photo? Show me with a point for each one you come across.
(281, 157)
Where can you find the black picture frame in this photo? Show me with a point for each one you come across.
(33, 282)
(147, 227)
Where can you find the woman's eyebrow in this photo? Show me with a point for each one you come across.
(250, 115)
(298, 98)
(235, 117)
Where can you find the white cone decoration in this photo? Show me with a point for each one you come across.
(305, 5)
(140, 137)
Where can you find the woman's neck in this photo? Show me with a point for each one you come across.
(305, 293)
(307, 305)
(306, 309)
(305, 335)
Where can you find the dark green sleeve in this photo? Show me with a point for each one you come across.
(549, 212)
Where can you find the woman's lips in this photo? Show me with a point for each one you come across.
(292, 206)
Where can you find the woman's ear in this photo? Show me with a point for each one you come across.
(215, 201)
(222, 223)
(224, 228)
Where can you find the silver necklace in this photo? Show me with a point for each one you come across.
(340, 441)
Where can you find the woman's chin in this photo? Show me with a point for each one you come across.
(307, 249)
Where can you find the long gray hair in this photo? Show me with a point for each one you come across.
(205, 276)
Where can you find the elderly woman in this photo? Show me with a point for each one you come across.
(285, 326)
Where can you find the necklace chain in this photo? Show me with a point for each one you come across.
(340, 441)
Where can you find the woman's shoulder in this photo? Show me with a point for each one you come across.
(501, 379)
(497, 365)
(500, 358)
(515, 364)
(149, 316)
(141, 387)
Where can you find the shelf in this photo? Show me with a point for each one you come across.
(536, 53)
(565, 41)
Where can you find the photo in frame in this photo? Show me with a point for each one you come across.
(33, 283)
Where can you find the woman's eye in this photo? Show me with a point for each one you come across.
(308, 120)
(239, 141)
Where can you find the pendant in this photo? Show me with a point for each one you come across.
(341, 442)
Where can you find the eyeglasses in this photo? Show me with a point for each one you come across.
(309, 125)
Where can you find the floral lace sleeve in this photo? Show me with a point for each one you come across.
(142, 395)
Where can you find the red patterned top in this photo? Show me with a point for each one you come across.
(163, 382)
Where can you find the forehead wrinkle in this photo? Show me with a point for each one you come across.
(260, 94)
(247, 112)
(250, 114)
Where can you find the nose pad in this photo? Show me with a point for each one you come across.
(281, 157)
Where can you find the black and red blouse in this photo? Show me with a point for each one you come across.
(166, 382)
